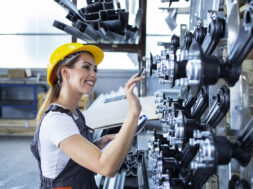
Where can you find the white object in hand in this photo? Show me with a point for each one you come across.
(141, 124)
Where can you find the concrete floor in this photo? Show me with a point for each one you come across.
(18, 167)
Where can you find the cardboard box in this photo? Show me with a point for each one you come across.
(84, 102)
(16, 73)
(41, 97)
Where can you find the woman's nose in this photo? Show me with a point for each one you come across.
(93, 73)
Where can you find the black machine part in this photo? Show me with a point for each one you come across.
(198, 69)
(189, 101)
(201, 103)
(242, 46)
(224, 151)
(189, 126)
(219, 108)
(153, 66)
(216, 31)
(188, 154)
(175, 42)
(205, 155)
(229, 70)
(188, 40)
(179, 70)
(237, 183)
(200, 176)
(241, 150)
(199, 35)
(245, 144)
(210, 64)
(179, 67)
(167, 152)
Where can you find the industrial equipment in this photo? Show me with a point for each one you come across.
(189, 149)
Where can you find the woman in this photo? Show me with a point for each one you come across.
(62, 144)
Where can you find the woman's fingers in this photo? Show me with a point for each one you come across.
(131, 88)
(131, 85)
(131, 79)
(134, 80)
(134, 77)
(110, 137)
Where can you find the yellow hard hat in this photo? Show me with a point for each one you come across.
(67, 49)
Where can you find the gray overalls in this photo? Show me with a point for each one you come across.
(73, 175)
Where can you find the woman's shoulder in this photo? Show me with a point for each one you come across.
(57, 119)
(57, 116)
(58, 126)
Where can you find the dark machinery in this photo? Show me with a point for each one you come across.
(187, 151)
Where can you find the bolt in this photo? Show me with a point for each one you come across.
(192, 142)
(238, 108)
(194, 165)
(193, 82)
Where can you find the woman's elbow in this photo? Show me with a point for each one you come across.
(108, 169)
(112, 174)
(109, 173)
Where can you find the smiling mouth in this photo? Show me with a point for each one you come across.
(91, 83)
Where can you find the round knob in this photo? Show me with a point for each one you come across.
(175, 42)
(188, 40)
(152, 65)
(200, 33)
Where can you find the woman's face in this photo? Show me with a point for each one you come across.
(82, 77)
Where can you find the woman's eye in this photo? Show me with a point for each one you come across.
(86, 67)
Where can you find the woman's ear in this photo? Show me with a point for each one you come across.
(65, 72)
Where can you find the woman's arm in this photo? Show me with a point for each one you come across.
(109, 161)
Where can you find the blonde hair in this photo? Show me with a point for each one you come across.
(54, 91)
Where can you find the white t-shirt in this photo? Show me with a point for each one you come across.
(55, 127)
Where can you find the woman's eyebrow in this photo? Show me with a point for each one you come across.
(87, 63)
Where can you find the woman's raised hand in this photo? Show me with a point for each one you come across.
(133, 101)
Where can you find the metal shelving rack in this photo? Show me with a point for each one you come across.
(139, 48)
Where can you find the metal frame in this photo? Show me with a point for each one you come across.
(15, 104)
(140, 48)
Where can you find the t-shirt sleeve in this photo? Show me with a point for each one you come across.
(58, 127)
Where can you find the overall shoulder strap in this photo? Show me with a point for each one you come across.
(83, 119)
(56, 108)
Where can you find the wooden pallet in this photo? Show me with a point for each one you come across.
(17, 127)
